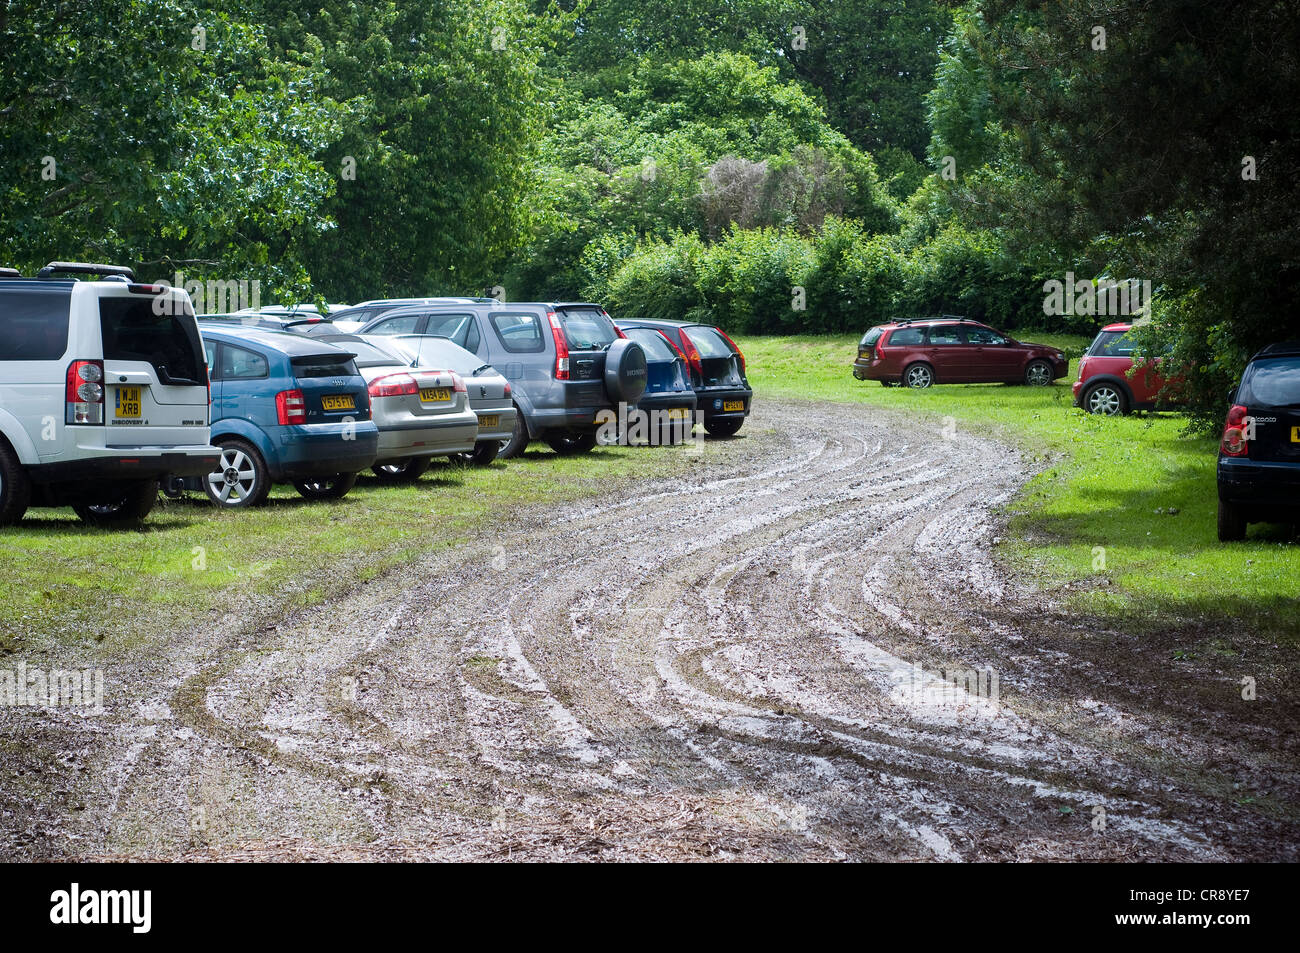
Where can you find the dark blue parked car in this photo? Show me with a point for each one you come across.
(286, 408)
(1259, 456)
(668, 399)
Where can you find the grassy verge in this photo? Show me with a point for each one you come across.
(190, 563)
(1122, 519)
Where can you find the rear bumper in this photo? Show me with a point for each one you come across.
(564, 418)
(505, 426)
(712, 401)
(130, 463)
(455, 435)
(319, 449)
(668, 400)
(1260, 486)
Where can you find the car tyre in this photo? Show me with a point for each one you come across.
(518, 441)
(918, 376)
(1232, 523)
(243, 475)
(1038, 374)
(1106, 399)
(484, 453)
(724, 426)
(569, 444)
(15, 487)
(333, 486)
(136, 502)
(407, 470)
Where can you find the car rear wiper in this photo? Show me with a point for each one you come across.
(480, 370)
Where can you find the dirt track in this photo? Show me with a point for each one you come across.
(715, 667)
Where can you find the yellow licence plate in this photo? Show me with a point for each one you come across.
(489, 420)
(733, 405)
(432, 395)
(678, 413)
(1295, 434)
(128, 402)
(339, 402)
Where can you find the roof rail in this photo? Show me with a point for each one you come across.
(84, 268)
(10, 273)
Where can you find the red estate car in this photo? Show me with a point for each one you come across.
(1105, 385)
(952, 350)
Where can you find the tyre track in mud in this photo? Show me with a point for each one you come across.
(714, 666)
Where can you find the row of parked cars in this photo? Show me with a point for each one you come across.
(110, 388)
(1258, 469)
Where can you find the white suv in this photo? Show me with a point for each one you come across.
(103, 391)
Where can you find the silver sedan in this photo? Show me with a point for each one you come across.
(489, 392)
(421, 412)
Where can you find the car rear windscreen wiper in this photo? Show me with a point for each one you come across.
(176, 381)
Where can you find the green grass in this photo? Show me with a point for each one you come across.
(190, 564)
(1107, 489)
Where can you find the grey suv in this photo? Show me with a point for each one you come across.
(566, 362)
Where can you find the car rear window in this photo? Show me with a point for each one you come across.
(323, 365)
(871, 337)
(656, 348)
(519, 332)
(35, 323)
(1273, 382)
(368, 355)
(708, 342)
(905, 336)
(132, 331)
(1113, 344)
(587, 329)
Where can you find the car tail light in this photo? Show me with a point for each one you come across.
(147, 289)
(393, 385)
(1235, 442)
(880, 350)
(85, 393)
(290, 407)
(561, 347)
(733, 347)
(692, 356)
(458, 383)
(507, 392)
(1083, 362)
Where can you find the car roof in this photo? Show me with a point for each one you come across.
(932, 319)
(294, 345)
(1119, 326)
(1280, 349)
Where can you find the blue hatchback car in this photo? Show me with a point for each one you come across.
(286, 408)
(668, 399)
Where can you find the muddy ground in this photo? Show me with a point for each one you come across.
(747, 663)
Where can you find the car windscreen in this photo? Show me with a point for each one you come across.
(653, 343)
(35, 323)
(871, 337)
(587, 329)
(132, 330)
(1272, 382)
(708, 342)
(368, 355)
(438, 353)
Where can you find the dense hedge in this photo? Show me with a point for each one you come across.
(839, 279)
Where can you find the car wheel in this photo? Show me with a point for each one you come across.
(567, 443)
(1038, 374)
(1232, 523)
(241, 479)
(1105, 399)
(484, 453)
(134, 504)
(15, 487)
(402, 471)
(518, 441)
(919, 376)
(724, 426)
(332, 487)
